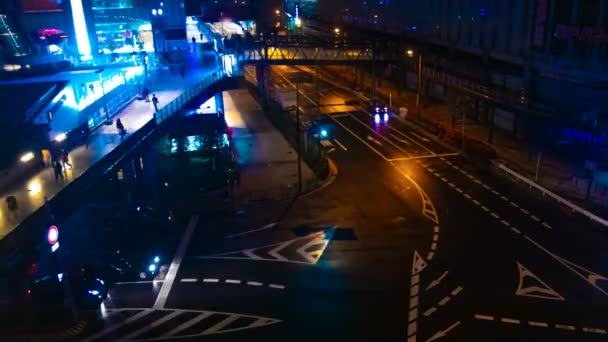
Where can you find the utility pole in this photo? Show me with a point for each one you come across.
(418, 94)
(298, 145)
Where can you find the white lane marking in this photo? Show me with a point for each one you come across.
(505, 223)
(546, 225)
(594, 330)
(515, 230)
(152, 325)
(399, 139)
(138, 282)
(433, 246)
(360, 139)
(513, 204)
(590, 277)
(341, 145)
(535, 218)
(254, 283)
(485, 186)
(495, 192)
(538, 324)
(189, 280)
(264, 227)
(504, 198)
(429, 312)
(485, 208)
(494, 215)
(510, 320)
(436, 281)
(441, 333)
(163, 294)
(459, 190)
(115, 327)
(220, 325)
(524, 211)
(187, 324)
(484, 317)
(467, 196)
(565, 327)
(444, 301)
(451, 184)
(211, 280)
(476, 202)
(277, 286)
(443, 179)
(436, 229)
(419, 137)
(233, 281)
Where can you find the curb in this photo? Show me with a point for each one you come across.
(333, 173)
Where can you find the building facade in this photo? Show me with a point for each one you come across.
(562, 45)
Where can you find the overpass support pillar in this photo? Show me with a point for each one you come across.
(219, 102)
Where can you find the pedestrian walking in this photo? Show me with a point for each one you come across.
(85, 136)
(201, 37)
(146, 94)
(193, 40)
(155, 102)
(121, 128)
(65, 158)
(58, 169)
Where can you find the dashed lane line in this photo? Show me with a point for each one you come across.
(546, 225)
(515, 230)
(444, 301)
(539, 324)
(235, 282)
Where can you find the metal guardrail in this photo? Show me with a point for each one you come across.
(546, 192)
(175, 105)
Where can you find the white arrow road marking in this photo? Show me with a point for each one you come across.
(539, 290)
(418, 263)
(589, 276)
(443, 333)
(321, 238)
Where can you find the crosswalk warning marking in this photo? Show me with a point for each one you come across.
(229, 322)
(536, 288)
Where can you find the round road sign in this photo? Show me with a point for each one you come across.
(52, 235)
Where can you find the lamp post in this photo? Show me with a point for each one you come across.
(410, 53)
(297, 78)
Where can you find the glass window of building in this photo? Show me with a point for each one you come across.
(121, 34)
(116, 4)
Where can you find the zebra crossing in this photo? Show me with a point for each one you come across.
(145, 324)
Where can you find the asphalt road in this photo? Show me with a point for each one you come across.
(409, 242)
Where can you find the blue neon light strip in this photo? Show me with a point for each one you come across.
(80, 28)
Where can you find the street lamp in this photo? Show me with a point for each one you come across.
(410, 53)
(337, 30)
(277, 12)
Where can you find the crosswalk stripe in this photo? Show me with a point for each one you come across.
(220, 325)
(187, 324)
(150, 326)
(118, 326)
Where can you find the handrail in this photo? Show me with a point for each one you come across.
(551, 194)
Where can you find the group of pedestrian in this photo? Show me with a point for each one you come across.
(61, 165)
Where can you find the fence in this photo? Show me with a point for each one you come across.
(313, 153)
(545, 192)
(175, 105)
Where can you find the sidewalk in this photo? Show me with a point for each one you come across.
(30, 193)
(267, 162)
(555, 174)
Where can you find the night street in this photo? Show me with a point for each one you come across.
(304, 170)
(424, 242)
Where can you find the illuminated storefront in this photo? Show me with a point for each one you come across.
(122, 26)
